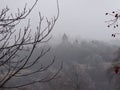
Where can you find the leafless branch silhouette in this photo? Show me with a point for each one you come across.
(12, 63)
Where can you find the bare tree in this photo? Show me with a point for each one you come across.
(114, 69)
(16, 59)
(114, 22)
(79, 78)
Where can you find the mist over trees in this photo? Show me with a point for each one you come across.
(29, 62)
(86, 65)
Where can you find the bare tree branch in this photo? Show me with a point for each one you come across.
(17, 56)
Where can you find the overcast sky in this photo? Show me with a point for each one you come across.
(78, 18)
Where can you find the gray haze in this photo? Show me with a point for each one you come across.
(78, 18)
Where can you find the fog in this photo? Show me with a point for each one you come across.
(81, 44)
(81, 18)
(87, 65)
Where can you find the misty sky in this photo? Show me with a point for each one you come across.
(79, 18)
